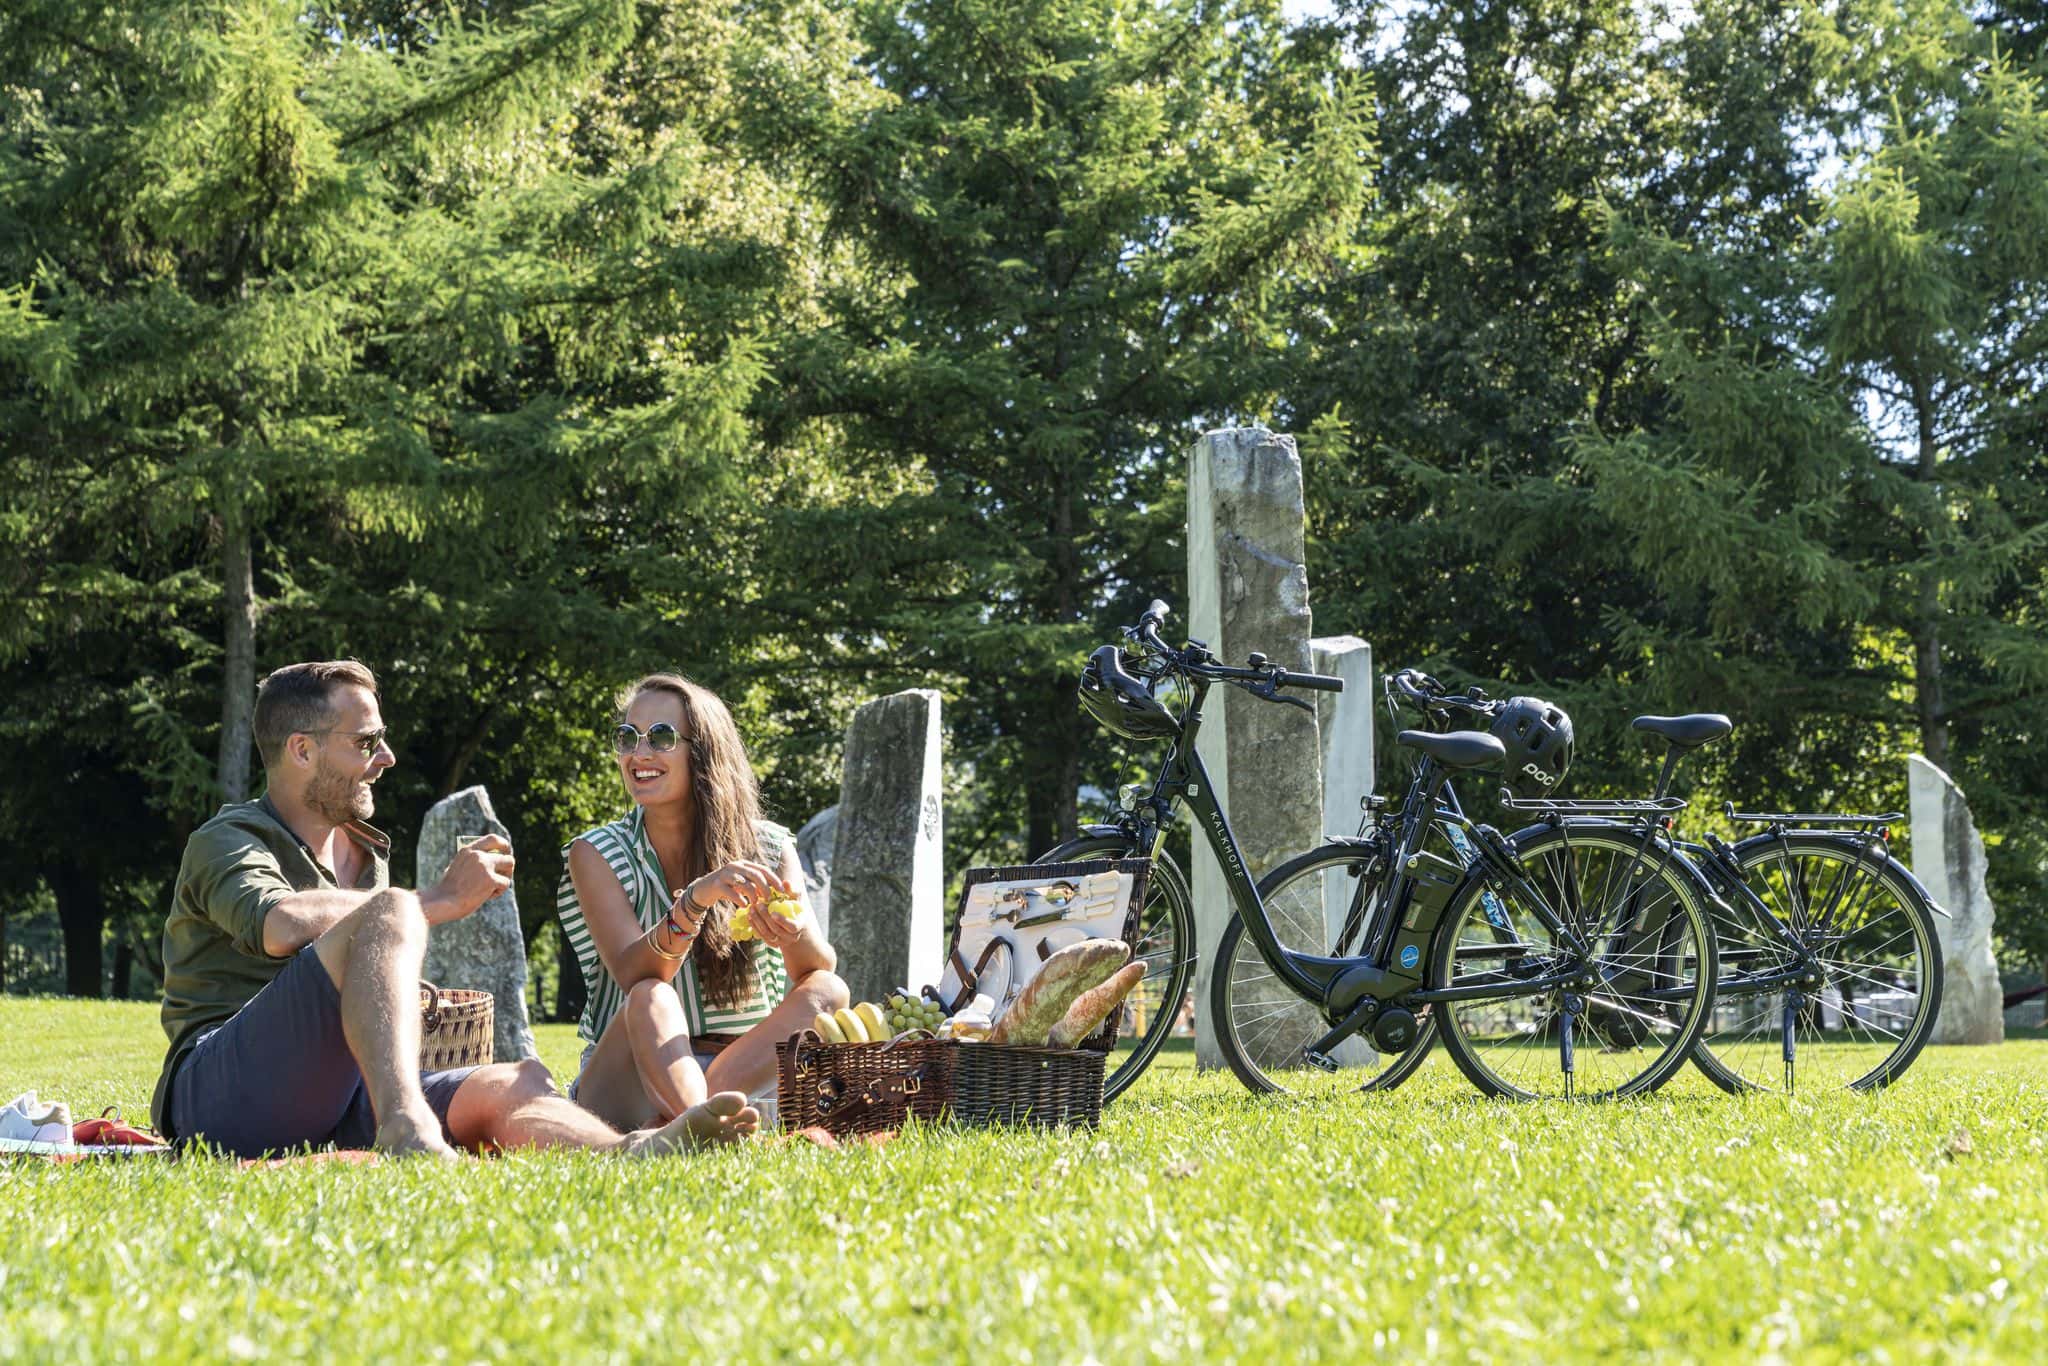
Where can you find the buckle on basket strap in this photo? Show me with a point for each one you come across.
(430, 1018)
(808, 1042)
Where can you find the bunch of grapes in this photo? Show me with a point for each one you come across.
(914, 1012)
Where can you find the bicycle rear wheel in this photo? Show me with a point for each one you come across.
(1878, 957)
(1165, 943)
(1325, 896)
(1643, 997)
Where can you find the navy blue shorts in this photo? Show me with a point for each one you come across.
(280, 1076)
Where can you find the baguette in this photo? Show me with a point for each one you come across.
(1073, 970)
(1093, 1006)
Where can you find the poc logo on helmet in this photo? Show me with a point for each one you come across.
(1536, 772)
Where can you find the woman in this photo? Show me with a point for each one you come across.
(646, 904)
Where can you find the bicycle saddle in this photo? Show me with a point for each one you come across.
(1456, 749)
(1687, 732)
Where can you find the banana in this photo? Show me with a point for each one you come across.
(828, 1028)
(850, 1025)
(876, 1023)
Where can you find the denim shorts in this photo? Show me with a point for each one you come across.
(279, 1075)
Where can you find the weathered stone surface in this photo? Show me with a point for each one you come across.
(1248, 590)
(1948, 858)
(484, 951)
(814, 845)
(1344, 727)
(887, 876)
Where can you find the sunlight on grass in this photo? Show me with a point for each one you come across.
(1197, 1223)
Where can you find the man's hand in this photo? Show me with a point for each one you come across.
(479, 872)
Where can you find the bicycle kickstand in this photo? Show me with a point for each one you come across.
(1573, 1004)
(1795, 1001)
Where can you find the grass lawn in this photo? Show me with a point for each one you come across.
(1195, 1224)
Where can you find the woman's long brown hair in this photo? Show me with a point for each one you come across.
(728, 808)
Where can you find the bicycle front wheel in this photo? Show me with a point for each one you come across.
(1637, 1002)
(1320, 902)
(1165, 943)
(1872, 960)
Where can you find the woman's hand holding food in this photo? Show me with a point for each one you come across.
(782, 921)
(741, 883)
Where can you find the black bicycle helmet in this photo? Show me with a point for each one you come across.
(1123, 704)
(1538, 736)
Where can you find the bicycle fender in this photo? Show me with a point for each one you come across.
(1686, 867)
(1863, 854)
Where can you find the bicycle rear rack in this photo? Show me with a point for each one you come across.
(1651, 806)
(1808, 817)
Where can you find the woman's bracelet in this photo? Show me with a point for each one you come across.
(654, 941)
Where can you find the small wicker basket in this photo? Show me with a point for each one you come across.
(861, 1088)
(456, 1028)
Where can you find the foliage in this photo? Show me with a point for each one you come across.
(1648, 356)
(1087, 211)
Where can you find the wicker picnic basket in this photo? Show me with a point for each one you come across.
(852, 1088)
(455, 1028)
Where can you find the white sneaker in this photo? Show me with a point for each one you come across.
(29, 1125)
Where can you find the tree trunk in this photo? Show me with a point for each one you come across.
(82, 914)
(465, 753)
(568, 983)
(122, 987)
(1927, 607)
(1053, 803)
(238, 682)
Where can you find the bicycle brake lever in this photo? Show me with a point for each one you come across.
(1270, 691)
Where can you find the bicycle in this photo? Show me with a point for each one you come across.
(1829, 953)
(1518, 977)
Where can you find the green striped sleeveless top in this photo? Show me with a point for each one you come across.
(625, 847)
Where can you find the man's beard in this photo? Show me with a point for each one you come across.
(339, 798)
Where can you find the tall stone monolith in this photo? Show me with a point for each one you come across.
(1948, 858)
(887, 875)
(814, 844)
(1344, 728)
(1248, 590)
(486, 950)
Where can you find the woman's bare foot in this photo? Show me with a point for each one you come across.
(406, 1135)
(724, 1118)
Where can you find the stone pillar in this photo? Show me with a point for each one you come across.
(1948, 858)
(814, 846)
(1344, 726)
(1248, 590)
(887, 876)
(483, 951)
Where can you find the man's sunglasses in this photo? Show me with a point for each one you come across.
(368, 742)
(661, 738)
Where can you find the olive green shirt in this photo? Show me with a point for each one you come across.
(237, 866)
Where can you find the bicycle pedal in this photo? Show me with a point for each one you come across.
(1322, 1060)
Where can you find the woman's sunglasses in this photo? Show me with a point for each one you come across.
(661, 738)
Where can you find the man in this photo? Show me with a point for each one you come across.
(291, 966)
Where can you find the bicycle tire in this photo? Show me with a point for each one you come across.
(1242, 988)
(1173, 931)
(1747, 1056)
(1509, 1046)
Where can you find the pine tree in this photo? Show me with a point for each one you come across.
(1080, 213)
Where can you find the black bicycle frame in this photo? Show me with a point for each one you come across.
(1341, 985)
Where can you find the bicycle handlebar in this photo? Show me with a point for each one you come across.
(1427, 694)
(1199, 664)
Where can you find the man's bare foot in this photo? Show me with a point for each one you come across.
(724, 1118)
(407, 1135)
